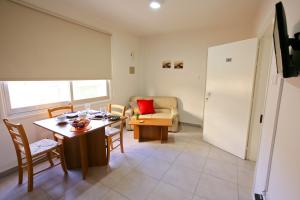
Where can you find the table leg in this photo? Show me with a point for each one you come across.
(83, 155)
(164, 134)
(136, 132)
(161, 134)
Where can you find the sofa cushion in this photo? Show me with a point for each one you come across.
(162, 115)
(159, 101)
(161, 110)
(145, 106)
(155, 115)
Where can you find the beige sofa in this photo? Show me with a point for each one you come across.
(165, 107)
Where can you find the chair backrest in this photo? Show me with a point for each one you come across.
(19, 138)
(117, 109)
(51, 111)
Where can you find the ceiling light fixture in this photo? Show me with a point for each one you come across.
(155, 4)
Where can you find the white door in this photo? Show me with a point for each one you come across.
(228, 100)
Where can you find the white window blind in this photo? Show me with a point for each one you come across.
(39, 46)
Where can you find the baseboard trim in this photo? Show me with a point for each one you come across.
(190, 124)
(8, 172)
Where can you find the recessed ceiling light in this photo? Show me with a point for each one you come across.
(155, 4)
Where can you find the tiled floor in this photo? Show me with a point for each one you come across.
(184, 168)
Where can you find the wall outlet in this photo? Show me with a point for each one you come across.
(131, 70)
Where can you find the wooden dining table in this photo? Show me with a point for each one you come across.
(82, 149)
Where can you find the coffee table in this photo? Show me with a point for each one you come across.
(151, 129)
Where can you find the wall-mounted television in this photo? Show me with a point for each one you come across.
(287, 49)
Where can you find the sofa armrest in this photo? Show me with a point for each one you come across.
(129, 112)
(174, 112)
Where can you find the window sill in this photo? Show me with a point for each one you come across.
(42, 112)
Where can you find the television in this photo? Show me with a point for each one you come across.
(287, 49)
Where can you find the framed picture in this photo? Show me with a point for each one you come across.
(178, 65)
(167, 64)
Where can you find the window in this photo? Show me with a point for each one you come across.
(32, 93)
(22, 96)
(89, 89)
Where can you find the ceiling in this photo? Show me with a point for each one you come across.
(136, 17)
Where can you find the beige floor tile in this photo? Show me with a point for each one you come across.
(114, 177)
(37, 195)
(133, 158)
(244, 193)
(218, 154)
(166, 154)
(77, 190)
(146, 170)
(246, 165)
(182, 177)
(100, 192)
(153, 167)
(191, 160)
(201, 149)
(164, 191)
(213, 188)
(221, 170)
(97, 191)
(245, 178)
(112, 195)
(196, 197)
(136, 185)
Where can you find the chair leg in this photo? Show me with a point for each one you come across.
(111, 143)
(30, 176)
(121, 144)
(108, 149)
(20, 169)
(49, 156)
(62, 159)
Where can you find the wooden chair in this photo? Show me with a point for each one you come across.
(111, 132)
(52, 112)
(29, 155)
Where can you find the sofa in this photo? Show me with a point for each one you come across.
(165, 107)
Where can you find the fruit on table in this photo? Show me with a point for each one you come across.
(80, 123)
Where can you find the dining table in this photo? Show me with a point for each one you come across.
(82, 149)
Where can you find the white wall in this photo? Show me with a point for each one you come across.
(187, 84)
(123, 86)
(258, 107)
(284, 179)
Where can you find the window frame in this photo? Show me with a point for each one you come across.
(13, 111)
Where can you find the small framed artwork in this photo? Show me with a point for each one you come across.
(178, 65)
(166, 64)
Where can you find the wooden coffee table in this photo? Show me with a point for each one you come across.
(151, 129)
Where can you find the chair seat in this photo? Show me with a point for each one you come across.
(110, 131)
(42, 146)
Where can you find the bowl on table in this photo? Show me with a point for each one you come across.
(61, 119)
(80, 123)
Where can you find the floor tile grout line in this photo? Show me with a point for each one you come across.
(123, 195)
(203, 168)
(237, 182)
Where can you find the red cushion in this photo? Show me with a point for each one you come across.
(145, 106)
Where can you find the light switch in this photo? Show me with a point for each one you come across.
(131, 70)
(228, 59)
